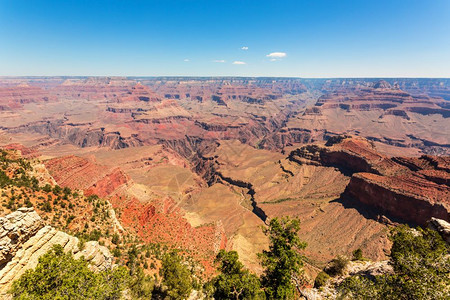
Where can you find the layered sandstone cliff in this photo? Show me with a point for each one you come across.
(15, 97)
(410, 198)
(24, 237)
(410, 189)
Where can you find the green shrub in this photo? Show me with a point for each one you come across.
(59, 276)
(116, 252)
(46, 206)
(321, 279)
(142, 285)
(57, 189)
(47, 188)
(115, 239)
(421, 262)
(177, 280)
(282, 262)
(67, 191)
(235, 282)
(357, 254)
(337, 266)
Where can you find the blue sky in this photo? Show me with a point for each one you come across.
(317, 38)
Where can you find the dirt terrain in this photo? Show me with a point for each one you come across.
(202, 163)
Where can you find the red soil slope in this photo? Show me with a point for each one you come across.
(154, 222)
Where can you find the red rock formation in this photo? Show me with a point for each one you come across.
(163, 222)
(138, 93)
(382, 97)
(108, 184)
(75, 172)
(351, 154)
(25, 151)
(410, 198)
(93, 88)
(159, 221)
(411, 189)
(15, 97)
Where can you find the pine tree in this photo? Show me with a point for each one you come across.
(283, 261)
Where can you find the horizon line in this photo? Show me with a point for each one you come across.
(217, 76)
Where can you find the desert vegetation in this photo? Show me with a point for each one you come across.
(421, 262)
(59, 275)
(419, 257)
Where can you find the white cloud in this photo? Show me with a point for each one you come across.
(219, 61)
(238, 62)
(244, 48)
(186, 60)
(274, 56)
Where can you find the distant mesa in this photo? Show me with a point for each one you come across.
(140, 92)
(382, 84)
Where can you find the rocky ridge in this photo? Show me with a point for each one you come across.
(411, 189)
(363, 268)
(24, 237)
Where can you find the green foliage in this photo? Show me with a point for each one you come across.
(235, 282)
(70, 219)
(177, 277)
(115, 239)
(132, 256)
(57, 189)
(92, 198)
(47, 188)
(357, 254)
(321, 279)
(141, 285)
(67, 191)
(94, 235)
(116, 252)
(20, 177)
(421, 262)
(283, 261)
(46, 206)
(28, 203)
(337, 266)
(59, 276)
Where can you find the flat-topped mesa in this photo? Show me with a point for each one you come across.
(80, 134)
(433, 168)
(252, 91)
(140, 92)
(93, 88)
(410, 189)
(363, 99)
(382, 96)
(24, 238)
(249, 94)
(382, 84)
(15, 97)
(350, 154)
(410, 198)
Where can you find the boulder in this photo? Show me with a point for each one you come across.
(24, 238)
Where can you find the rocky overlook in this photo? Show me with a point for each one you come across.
(24, 237)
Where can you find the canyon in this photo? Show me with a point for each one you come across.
(200, 164)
